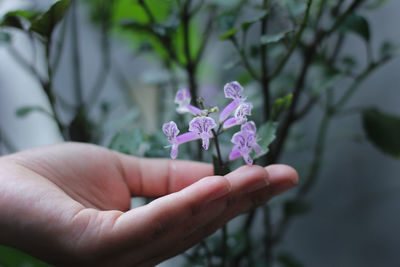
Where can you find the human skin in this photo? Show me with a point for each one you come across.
(69, 204)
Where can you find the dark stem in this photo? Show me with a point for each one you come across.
(267, 236)
(48, 88)
(264, 66)
(190, 66)
(147, 11)
(75, 55)
(296, 41)
(243, 57)
(105, 66)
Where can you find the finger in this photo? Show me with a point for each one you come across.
(158, 177)
(281, 178)
(150, 221)
(175, 227)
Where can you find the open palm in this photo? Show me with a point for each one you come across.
(69, 204)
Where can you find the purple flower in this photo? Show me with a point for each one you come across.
(202, 127)
(232, 90)
(240, 116)
(245, 141)
(182, 98)
(171, 131)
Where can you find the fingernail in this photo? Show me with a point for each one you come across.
(259, 184)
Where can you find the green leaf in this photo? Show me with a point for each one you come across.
(218, 169)
(273, 38)
(267, 134)
(45, 23)
(228, 34)
(24, 111)
(349, 63)
(246, 25)
(326, 76)
(358, 25)
(383, 130)
(16, 18)
(226, 20)
(288, 260)
(5, 37)
(127, 141)
(281, 105)
(296, 207)
(13, 257)
(389, 49)
(12, 21)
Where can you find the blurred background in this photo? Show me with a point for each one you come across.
(354, 217)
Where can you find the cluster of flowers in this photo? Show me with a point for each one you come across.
(203, 127)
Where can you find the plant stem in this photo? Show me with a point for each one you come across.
(105, 65)
(243, 57)
(264, 66)
(75, 55)
(295, 42)
(48, 88)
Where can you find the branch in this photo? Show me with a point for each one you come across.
(60, 45)
(25, 64)
(75, 55)
(358, 80)
(105, 66)
(147, 10)
(206, 35)
(243, 57)
(264, 65)
(295, 42)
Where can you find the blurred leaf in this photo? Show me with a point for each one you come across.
(228, 34)
(45, 23)
(273, 38)
(156, 149)
(10, 257)
(325, 78)
(232, 63)
(126, 119)
(296, 207)
(281, 105)
(295, 8)
(5, 37)
(238, 243)
(349, 63)
(226, 20)
(12, 21)
(288, 260)
(358, 25)
(220, 170)
(374, 4)
(267, 135)
(383, 130)
(126, 11)
(127, 141)
(245, 25)
(389, 49)
(24, 111)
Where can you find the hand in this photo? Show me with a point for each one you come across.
(69, 204)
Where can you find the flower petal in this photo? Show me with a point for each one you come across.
(233, 90)
(228, 110)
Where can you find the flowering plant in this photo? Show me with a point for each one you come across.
(204, 127)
